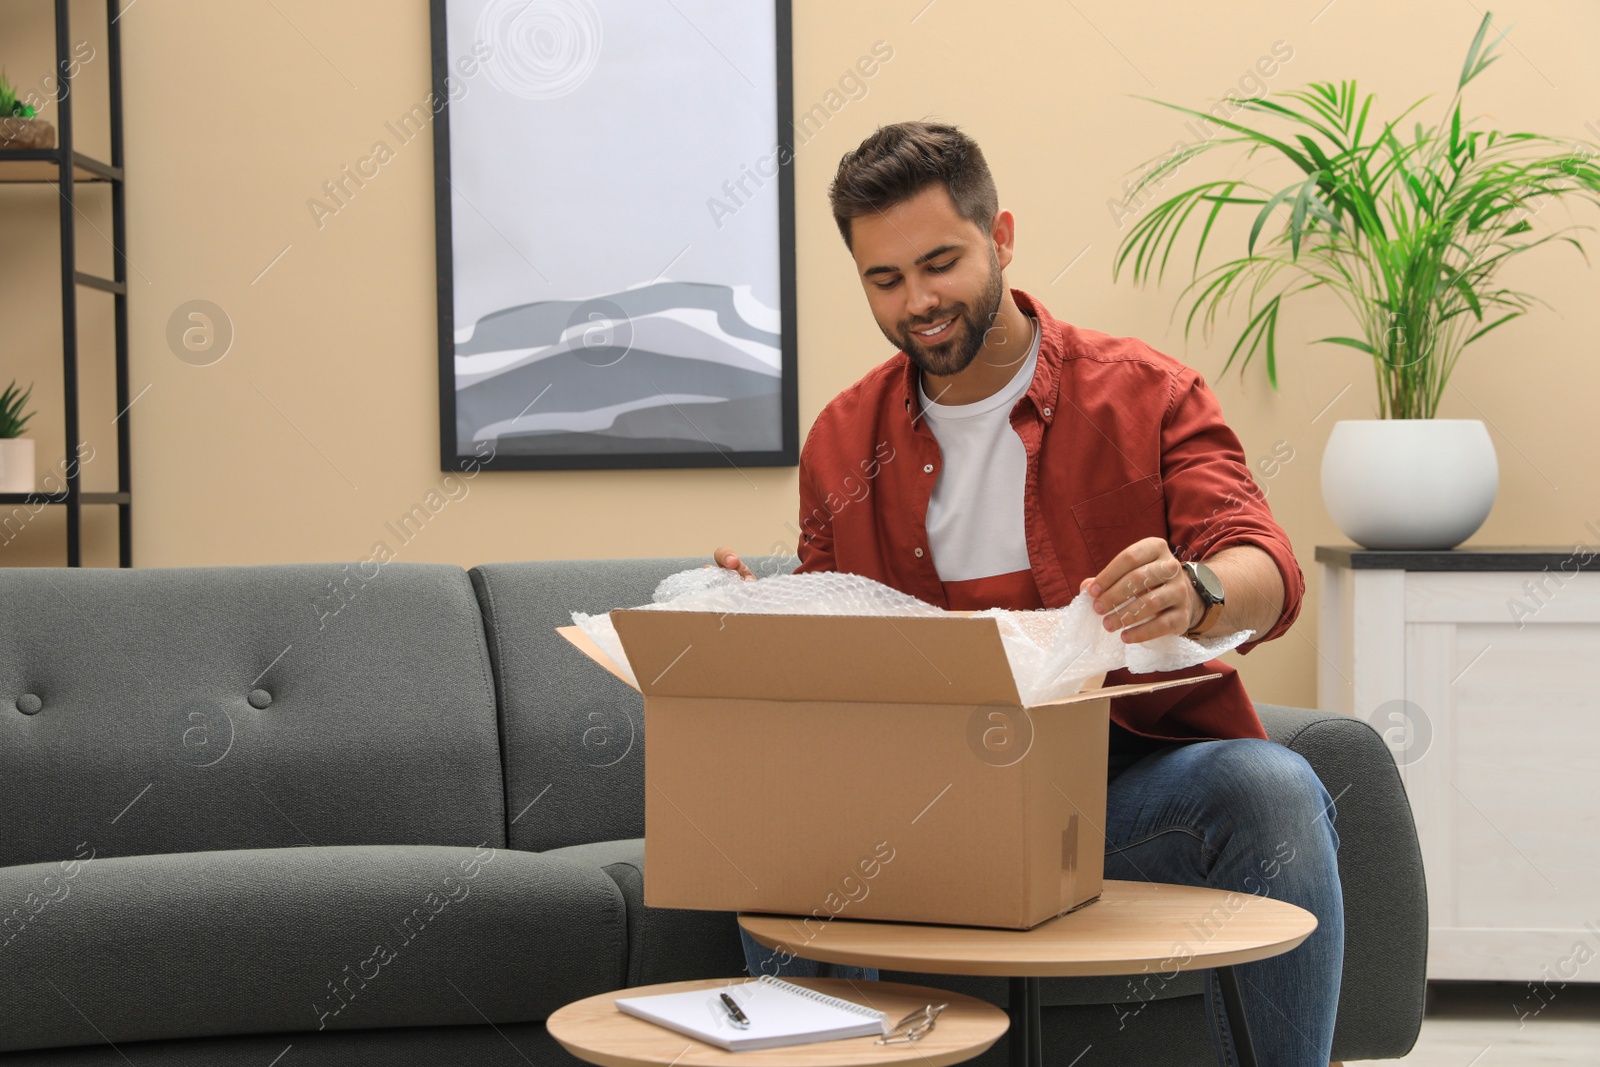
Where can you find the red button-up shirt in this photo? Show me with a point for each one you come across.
(1123, 442)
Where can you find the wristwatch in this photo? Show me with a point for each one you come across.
(1209, 586)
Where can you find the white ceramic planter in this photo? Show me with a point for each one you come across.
(16, 465)
(1409, 483)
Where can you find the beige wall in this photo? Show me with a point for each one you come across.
(321, 424)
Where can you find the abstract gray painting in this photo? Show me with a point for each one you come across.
(615, 216)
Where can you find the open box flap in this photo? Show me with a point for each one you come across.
(586, 645)
(1095, 692)
(766, 657)
(880, 658)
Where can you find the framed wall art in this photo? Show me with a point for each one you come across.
(614, 201)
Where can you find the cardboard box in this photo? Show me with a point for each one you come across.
(861, 766)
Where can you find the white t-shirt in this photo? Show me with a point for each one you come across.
(975, 517)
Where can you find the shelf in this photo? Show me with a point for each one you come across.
(62, 498)
(66, 168)
(43, 165)
(94, 281)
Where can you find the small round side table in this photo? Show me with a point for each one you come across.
(1132, 927)
(594, 1029)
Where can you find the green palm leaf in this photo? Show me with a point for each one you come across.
(1408, 232)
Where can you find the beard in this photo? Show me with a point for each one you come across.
(954, 354)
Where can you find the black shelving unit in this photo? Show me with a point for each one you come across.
(67, 167)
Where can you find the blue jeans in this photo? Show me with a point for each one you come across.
(1245, 815)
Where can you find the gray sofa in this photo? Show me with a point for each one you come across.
(311, 815)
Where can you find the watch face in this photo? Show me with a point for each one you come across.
(1209, 582)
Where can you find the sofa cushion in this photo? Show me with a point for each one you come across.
(573, 734)
(484, 1045)
(188, 709)
(293, 939)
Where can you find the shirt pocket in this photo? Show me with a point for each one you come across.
(1110, 522)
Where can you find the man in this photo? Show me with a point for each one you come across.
(1004, 458)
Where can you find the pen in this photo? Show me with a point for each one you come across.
(739, 1018)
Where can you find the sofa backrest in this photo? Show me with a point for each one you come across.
(573, 735)
(157, 710)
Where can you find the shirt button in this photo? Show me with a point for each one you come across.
(927, 468)
(918, 551)
(1047, 411)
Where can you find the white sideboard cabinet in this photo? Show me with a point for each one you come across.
(1481, 669)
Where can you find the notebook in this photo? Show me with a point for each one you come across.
(780, 1013)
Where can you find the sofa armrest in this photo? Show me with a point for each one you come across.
(664, 944)
(1380, 871)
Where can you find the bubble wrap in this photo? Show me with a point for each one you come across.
(1051, 651)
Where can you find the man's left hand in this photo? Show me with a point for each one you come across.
(1146, 590)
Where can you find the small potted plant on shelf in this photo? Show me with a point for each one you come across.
(16, 451)
(1409, 231)
(18, 126)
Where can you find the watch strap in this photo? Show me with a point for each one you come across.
(1213, 609)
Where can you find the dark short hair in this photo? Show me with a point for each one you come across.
(897, 162)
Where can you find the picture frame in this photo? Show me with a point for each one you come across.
(614, 213)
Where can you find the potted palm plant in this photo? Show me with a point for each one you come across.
(18, 126)
(1410, 232)
(16, 451)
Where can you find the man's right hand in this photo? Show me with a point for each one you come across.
(725, 557)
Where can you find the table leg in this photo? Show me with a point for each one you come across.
(1236, 1021)
(1026, 1036)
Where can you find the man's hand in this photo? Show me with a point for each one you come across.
(1145, 589)
(725, 557)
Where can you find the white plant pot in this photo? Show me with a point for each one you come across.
(1409, 483)
(16, 465)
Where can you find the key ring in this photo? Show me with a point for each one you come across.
(916, 1025)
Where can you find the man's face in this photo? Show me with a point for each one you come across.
(932, 278)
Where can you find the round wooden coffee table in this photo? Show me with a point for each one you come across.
(1132, 927)
(594, 1029)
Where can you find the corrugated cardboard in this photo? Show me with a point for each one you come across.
(861, 766)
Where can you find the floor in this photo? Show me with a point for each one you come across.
(1506, 1024)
